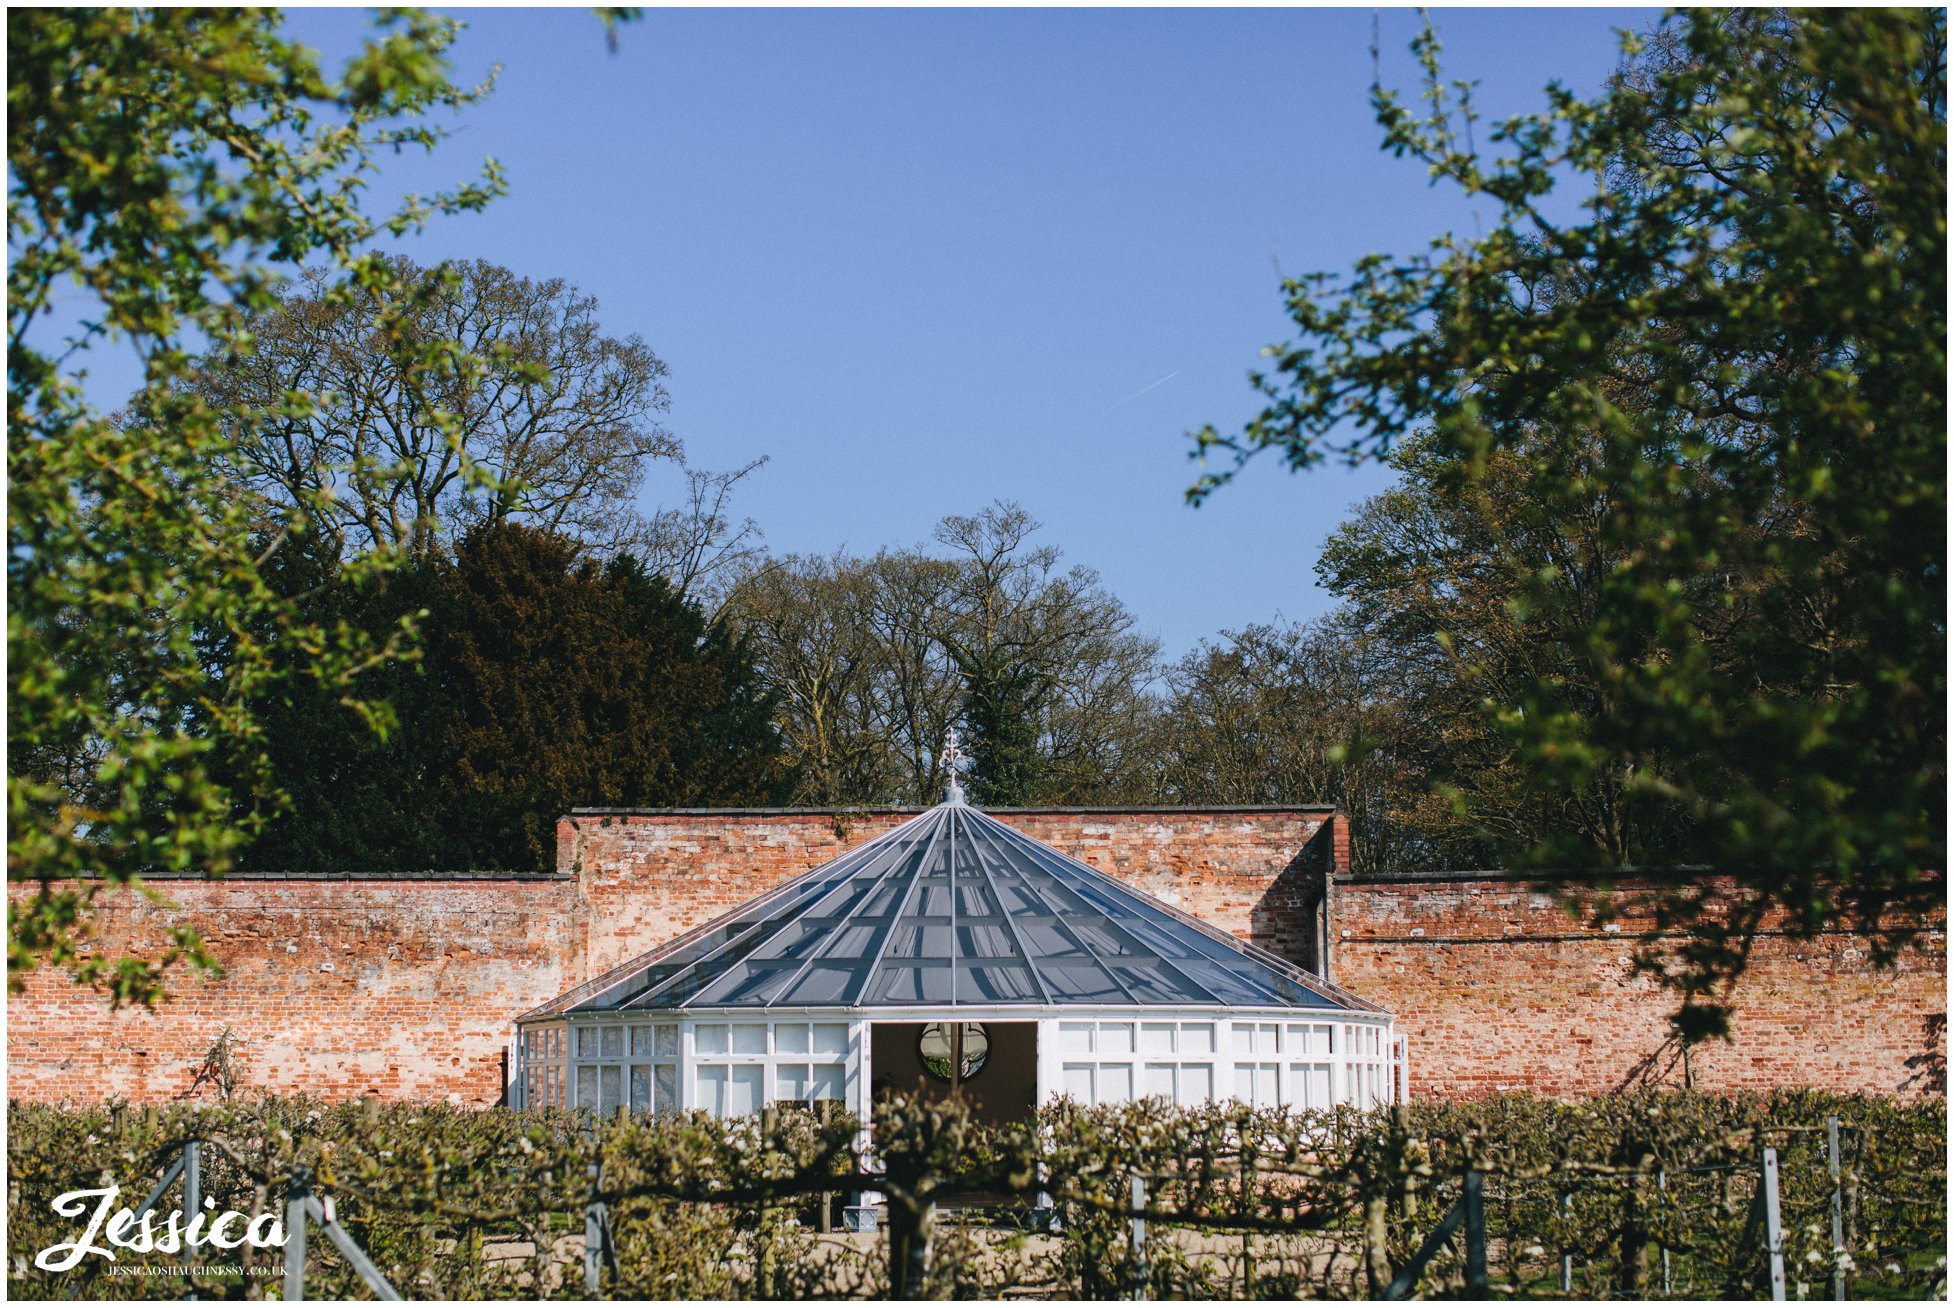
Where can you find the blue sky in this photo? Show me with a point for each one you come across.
(924, 259)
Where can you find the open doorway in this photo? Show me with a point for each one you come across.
(991, 1066)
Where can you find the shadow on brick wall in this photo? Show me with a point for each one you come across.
(1286, 920)
(1927, 1070)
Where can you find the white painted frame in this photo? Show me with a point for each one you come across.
(1367, 1062)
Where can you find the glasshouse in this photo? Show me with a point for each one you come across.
(955, 956)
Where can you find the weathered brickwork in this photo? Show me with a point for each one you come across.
(1496, 987)
(397, 988)
(405, 987)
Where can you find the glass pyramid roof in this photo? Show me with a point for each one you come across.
(953, 907)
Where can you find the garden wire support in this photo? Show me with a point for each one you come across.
(187, 1167)
(599, 1243)
(1773, 1224)
(1567, 1255)
(1662, 1186)
(1469, 1211)
(1137, 1236)
(1838, 1207)
(301, 1206)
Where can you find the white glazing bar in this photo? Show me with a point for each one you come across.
(1132, 931)
(830, 883)
(1010, 926)
(821, 951)
(1058, 918)
(895, 918)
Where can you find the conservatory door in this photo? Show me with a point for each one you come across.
(991, 1066)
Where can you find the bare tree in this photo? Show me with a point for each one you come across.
(1309, 713)
(478, 397)
(1045, 656)
(877, 657)
(698, 547)
(809, 622)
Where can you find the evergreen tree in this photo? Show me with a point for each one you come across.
(547, 680)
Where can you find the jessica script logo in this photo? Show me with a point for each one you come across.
(121, 1228)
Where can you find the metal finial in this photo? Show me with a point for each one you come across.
(952, 759)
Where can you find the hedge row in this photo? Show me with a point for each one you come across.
(1647, 1196)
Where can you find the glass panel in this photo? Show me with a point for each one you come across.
(1115, 1037)
(664, 1081)
(1077, 1082)
(710, 1037)
(613, 1042)
(1197, 1084)
(1256, 1082)
(667, 1041)
(613, 1086)
(790, 1037)
(712, 1090)
(1311, 1085)
(827, 983)
(1082, 984)
(746, 1090)
(830, 1038)
(830, 1081)
(1159, 1078)
(749, 1039)
(1156, 1037)
(640, 1088)
(790, 1083)
(1075, 1037)
(586, 1042)
(640, 1042)
(1198, 1038)
(1115, 1083)
(1311, 1039)
(586, 1087)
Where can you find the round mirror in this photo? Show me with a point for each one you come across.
(936, 1047)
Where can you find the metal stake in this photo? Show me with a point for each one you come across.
(1137, 1236)
(1838, 1207)
(1475, 1224)
(295, 1238)
(193, 1185)
(329, 1223)
(1773, 1225)
(1662, 1184)
(1566, 1256)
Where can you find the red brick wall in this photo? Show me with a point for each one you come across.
(405, 987)
(1498, 988)
(398, 988)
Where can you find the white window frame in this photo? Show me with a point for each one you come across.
(636, 1032)
(772, 1058)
